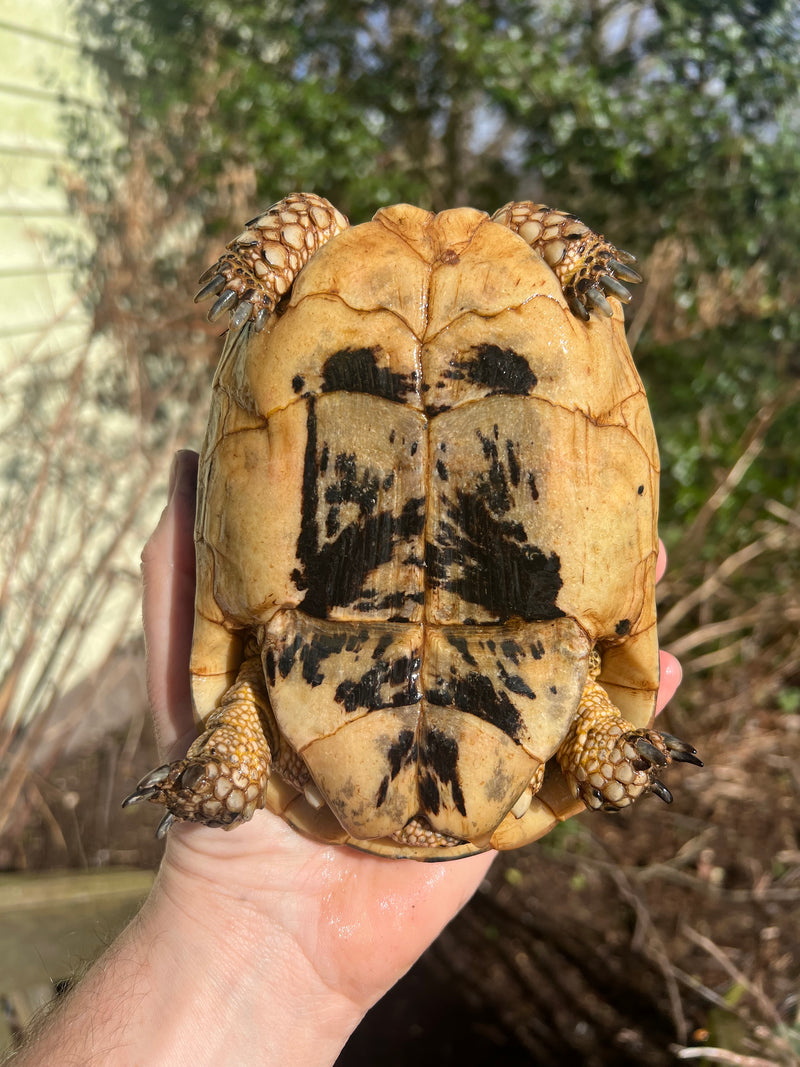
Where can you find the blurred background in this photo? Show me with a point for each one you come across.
(136, 137)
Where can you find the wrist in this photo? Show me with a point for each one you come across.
(196, 979)
(240, 977)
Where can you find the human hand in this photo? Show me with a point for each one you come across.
(329, 921)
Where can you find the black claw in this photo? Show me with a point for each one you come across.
(226, 301)
(261, 319)
(241, 314)
(154, 777)
(686, 757)
(595, 296)
(164, 825)
(612, 286)
(212, 270)
(216, 285)
(577, 308)
(681, 751)
(139, 795)
(650, 752)
(621, 270)
(661, 791)
(192, 775)
(626, 257)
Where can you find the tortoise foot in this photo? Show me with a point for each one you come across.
(588, 267)
(223, 777)
(608, 762)
(263, 261)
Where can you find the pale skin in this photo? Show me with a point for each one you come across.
(255, 946)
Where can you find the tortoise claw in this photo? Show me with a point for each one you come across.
(148, 786)
(620, 268)
(220, 306)
(215, 286)
(164, 825)
(660, 791)
(612, 286)
(650, 752)
(138, 795)
(681, 751)
(577, 308)
(242, 313)
(595, 297)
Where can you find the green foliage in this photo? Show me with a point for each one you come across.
(670, 125)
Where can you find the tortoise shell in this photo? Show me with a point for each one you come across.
(428, 495)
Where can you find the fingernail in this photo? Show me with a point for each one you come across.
(173, 476)
(182, 474)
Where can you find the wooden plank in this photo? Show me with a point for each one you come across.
(51, 924)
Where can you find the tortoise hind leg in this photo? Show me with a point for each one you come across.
(223, 777)
(606, 760)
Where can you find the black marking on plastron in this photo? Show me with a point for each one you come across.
(269, 663)
(493, 486)
(356, 370)
(479, 559)
(383, 643)
(623, 627)
(441, 469)
(332, 523)
(438, 757)
(349, 488)
(474, 693)
(532, 486)
(514, 683)
(513, 463)
(512, 650)
(356, 640)
(365, 692)
(401, 753)
(321, 646)
(298, 382)
(336, 573)
(289, 651)
(460, 645)
(502, 370)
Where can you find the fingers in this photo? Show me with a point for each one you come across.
(661, 563)
(670, 668)
(168, 606)
(671, 675)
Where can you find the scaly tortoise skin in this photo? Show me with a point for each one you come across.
(426, 535)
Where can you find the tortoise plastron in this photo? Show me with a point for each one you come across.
(426, 535)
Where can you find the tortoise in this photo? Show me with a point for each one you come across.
(426, 535)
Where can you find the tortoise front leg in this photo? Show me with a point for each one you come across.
(607, 761)
(223, 777)
(263, 261)
(585, 263)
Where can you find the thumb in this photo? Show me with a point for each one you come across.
(168, 606)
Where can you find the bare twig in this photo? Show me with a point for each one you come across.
(723, 1055)
(772, 541)
(753, 988)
